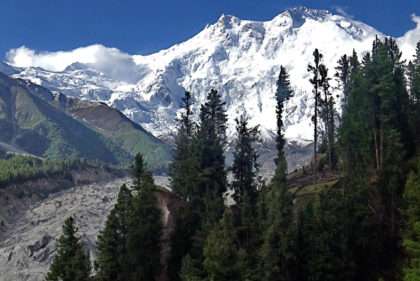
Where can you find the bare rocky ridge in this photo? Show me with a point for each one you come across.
(28, 244)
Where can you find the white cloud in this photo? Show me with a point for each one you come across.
(110, 61)
(409, 40)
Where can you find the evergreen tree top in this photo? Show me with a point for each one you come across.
(142, 177)
(284, 90)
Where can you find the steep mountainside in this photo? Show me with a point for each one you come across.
(35, 121)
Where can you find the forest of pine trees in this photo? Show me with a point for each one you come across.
(363, 226)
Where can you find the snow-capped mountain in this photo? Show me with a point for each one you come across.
(240, 58)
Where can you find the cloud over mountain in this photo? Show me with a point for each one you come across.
(111, 61)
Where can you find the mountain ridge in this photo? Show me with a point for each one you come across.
(240, 58)
(37, 122)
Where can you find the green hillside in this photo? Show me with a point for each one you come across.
(33, 120)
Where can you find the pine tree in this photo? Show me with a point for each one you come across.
(375, 139)
(185, 167)
(208, 181)
(328, 115)
(277, 253)
(111, 262)
(411, 269)
(414, 85)
(212, 142)
(71, 262)
(317, 84)
(145, 227)
(354, 142)
(245, 165)
(305, 242)
(343, 76)
(186, 224)
(141, 176)
(245, 170)
(221, 251)
(283, 94)
(189, 271)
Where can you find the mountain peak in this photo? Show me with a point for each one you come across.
(227, 21)
(300, 14)
(304, 12)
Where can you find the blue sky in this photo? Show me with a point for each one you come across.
(139, 26)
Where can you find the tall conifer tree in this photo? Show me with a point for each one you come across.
(316, 81)
(221, 251)
(245, 165)
(185, 166)
(212, 142)
(112, 258)
(145, 227)
(411, 271)
(71, 262)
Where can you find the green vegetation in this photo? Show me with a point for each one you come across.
(71, 263)
(129, 246)
(18, 168)
(31, 121)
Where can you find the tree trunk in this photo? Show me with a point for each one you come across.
(375, 138)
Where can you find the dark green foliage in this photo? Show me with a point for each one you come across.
(184, 170)
(277, 254)
(185, 175)
(112, 258)
(129, 248)
(283, 94)
(144, 227)
(211, 145)
(189, 270)
(198, 175)
(354, 142)
(414, 86)
(71, 262)
(221, 251)
(327, 115)
(245, 184)
(181, 242)
(142, 178)
(245, 165)
(375, 140)
(343, 76)
(411, 270)
(316, 81)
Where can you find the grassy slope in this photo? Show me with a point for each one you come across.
(31, 120)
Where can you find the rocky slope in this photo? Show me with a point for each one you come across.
(28, 246)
